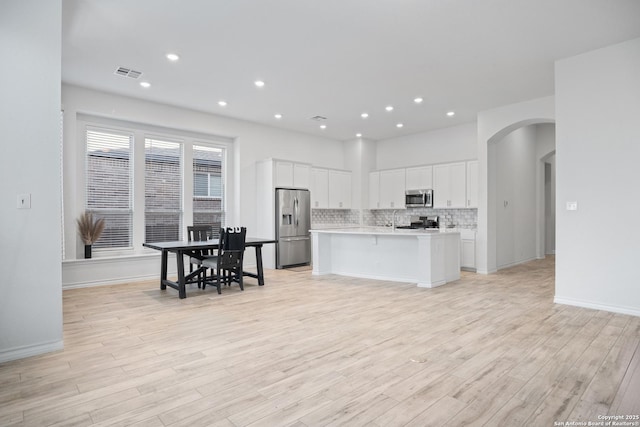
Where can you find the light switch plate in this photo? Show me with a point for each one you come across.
(572, 206)
(24, 201)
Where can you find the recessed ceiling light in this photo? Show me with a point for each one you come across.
(259, 83)
(399, 125)
(323, 126)
(222, 103)
(451, 113)
(145, 85)
(364, 115)
(389, 108)
(172, 57)
(358, 135)
(278, 116)
(417, 100)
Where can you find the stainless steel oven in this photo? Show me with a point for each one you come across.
(418, 198)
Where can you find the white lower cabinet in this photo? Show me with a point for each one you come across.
(468, 249)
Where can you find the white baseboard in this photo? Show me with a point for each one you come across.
(513, 264)
(30, 350)
(633, 311)
(106, 282)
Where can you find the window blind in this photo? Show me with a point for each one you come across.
(163, 190)
(108, 185)
(208, 187)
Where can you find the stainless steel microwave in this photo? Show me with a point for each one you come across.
(418, 198)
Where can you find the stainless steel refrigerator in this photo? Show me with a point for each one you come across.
(293, 221)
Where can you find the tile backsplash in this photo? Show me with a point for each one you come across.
(335, 217)
(461, 218)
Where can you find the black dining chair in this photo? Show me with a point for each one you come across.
(227, 264)
(199, 233)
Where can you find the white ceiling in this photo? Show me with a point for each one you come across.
(337, 58)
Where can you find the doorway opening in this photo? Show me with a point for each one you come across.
(521, 190)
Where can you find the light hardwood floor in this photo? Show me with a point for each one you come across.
(485, 350)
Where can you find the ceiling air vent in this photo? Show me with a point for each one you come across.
(128, 72)
(318, 118)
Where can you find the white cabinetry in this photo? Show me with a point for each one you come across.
(449, 182)
(374, 190)
(291, 175)
(392, 189)
(330, 189)
(319, 188)
(272, 174)
(301, 175)
(472, 184)
(468, 249)
(339, 189)
(419, 178)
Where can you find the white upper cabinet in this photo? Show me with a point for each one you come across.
(292, 175)
(319, 188)
(472, 184)
(339, 189)
(301, 175)
(449, 185)
(392, 189)
(283, 174)
(330, 189)
(374, 190)
(419, 178)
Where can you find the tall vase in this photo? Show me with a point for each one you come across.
(87, 251)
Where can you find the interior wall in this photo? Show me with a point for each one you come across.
(451, 144)
(545, 149)
(550, 205)
(31, 301)
(515, 189)
(251, 143)
(597, 245)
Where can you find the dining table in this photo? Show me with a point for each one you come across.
(195, 249)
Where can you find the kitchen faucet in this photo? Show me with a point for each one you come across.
(393, 220)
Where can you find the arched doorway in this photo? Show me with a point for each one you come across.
(493, 125)
(517, 166)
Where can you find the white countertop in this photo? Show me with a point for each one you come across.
(384, 231)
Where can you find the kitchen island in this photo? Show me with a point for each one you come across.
(429, 258)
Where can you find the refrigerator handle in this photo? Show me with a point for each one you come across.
(296, 207)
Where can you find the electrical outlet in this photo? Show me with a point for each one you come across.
(24, 201)
(572, 206)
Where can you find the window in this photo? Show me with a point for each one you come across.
(208, 186)
(136, 176)
(162, 190)
(108, 185)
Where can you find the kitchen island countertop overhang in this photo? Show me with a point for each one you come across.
(427, 257)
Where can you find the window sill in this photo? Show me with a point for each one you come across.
(97, 258)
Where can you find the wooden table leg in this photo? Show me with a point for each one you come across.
(259, 265)
(163, 270)
(182, 291)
